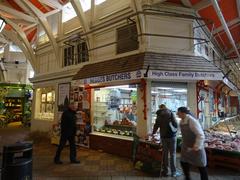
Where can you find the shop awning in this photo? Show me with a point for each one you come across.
(119, 65)
(156, 65)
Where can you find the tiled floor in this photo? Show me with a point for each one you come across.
(94, 165)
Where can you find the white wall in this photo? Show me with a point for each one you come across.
(46, 62)
(169, 26)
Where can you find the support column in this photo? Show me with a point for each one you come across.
(144, 109)
(192, 97)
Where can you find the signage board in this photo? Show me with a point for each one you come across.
(184, 75)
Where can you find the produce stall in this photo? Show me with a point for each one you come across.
(223, 144)
(147, 154)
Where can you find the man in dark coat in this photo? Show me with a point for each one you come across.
(167, 123)
(68, 131)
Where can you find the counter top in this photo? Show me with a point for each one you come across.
(112, 136)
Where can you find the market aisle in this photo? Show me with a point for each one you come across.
(12, 134)
(94, 164)
(99, 165)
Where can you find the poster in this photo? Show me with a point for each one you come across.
(63, 96)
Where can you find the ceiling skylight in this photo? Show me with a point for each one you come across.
(68, 12)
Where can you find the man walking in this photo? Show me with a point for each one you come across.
(167, 123)
(68, 131)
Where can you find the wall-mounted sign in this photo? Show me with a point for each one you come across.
(181, 75)
(152, 74)
(230, 84)
(113, 77)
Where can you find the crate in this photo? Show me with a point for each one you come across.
(221, 158)
(148, 152)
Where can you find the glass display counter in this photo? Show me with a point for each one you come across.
(115, 110)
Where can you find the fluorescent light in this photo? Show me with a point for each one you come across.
(123, 87)
(166, 94)
(129, 89)
(180, 90)
(165, 88)
(116, 87)
(2, 24)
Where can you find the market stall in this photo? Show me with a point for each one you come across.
(15, 102)
(223, 143)
(125, 94)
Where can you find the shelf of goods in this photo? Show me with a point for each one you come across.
(223, 144)
(14, 106)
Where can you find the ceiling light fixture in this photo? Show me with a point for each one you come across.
(2, 24)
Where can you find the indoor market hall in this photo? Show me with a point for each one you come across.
(119, 89)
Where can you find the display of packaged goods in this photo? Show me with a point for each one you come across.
(124, 122)
(115, 131)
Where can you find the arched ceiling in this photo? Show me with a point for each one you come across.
(18, 13)
(231, 13)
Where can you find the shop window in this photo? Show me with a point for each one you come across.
(82, 52)
(45, 102)
(172, 97)
(115, 110)
(72, 58)
(127, 38)
(69, 56)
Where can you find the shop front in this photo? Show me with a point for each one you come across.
(113, 108)
(126, 92)
(15, 103)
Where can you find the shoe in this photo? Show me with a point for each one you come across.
(176, 174)
(75, 162)
(163, 174)
(58, 162)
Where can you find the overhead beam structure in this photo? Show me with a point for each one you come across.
(186, 3)
(224, 24)
(229, 24)
(29, 51)
(43, 21)
(232, 50)
(18, 14)
(22, 6)
(53, 3)
(202, 4)
(13, 36)
(52, 12)
(82, 18)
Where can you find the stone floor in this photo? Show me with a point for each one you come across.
(94, 165)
